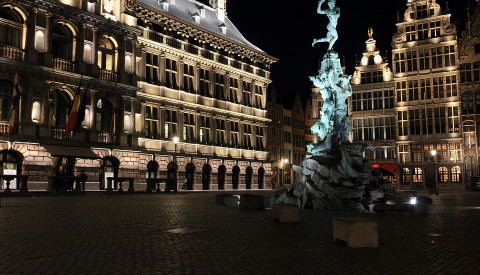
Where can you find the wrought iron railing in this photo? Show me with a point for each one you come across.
(59, 133)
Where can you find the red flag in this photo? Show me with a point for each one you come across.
(73, 117)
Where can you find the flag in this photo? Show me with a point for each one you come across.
(82, 108)
(112, 125)
(73, 117)
(53, 111)
(15, 102)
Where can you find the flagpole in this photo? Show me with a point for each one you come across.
(112, 125)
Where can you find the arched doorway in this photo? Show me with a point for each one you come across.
(190, 175)
(63, 166)
(152, 168)
(235, 176)
(11, 165)
(108, 168)
(207, 169)
(222, 170)
(261, 174)
(248, 177)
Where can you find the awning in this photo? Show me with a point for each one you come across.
(386, 169)
(71, 151)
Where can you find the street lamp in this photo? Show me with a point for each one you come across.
(175, 140)
(434, 153)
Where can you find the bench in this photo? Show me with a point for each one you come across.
(120, 182)
(356, 231)
(286, 212)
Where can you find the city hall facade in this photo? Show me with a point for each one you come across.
(151, 71)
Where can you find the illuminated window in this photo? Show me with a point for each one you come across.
(405, 174)
(36, 108)
(204, 79)
(443, 174)
(247, 90)
(456, 174)
(152, 68)
(106, 54)
(417, 175)
(220, 132)
(402, 123)
(170, 124)
(219, 86)
(247, 135)
(40, 41)
(259, 138)
(401, 91)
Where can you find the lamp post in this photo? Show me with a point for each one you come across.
(434, 153)
(175, 140)
(285, 163)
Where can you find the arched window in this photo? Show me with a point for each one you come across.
(443, 174)
(106, 54)
(417, 175)
(456, 174)
(6, 88)
(103, 118)
(405, 176)
(11, 25)
(62, 42)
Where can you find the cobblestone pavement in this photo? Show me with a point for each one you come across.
(190, 234)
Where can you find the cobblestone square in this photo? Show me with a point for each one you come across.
(188, 233)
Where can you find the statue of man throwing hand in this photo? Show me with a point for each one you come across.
(333, 13)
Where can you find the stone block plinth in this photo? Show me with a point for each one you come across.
(356, 231)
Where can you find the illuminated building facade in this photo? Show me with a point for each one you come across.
(469, 55)
(155, 70)
(372, 108)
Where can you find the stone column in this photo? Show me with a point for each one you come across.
(240, 90)
(93, 106)
(180, 75)
(162, 67)
(132, 115)
(227, 86)
(142, 73)
(196, 83)
(80, 47)
(48, 30)
(32, 25)
(134, 57)
(121, 60)
(95, 46)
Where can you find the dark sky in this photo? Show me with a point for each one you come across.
(286, 29)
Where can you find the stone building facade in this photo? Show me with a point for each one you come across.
(372, 108)
(427, 104)
(155, 70)
(469, 57)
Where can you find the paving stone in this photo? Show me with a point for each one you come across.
(101, 234)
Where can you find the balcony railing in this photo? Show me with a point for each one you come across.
(59, 133)
(105, 138)
(191, 49)
(222, 59)
(3, 128)
(155, 36)
(207, 55)
(107, 75)
(12, 52)
(174, 43)
(63, 65)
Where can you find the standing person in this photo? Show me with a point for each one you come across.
(83, 178)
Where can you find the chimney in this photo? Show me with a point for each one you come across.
(220, 7)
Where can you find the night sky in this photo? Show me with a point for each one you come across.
(286, 29)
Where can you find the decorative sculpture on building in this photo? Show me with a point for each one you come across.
(333, 13)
